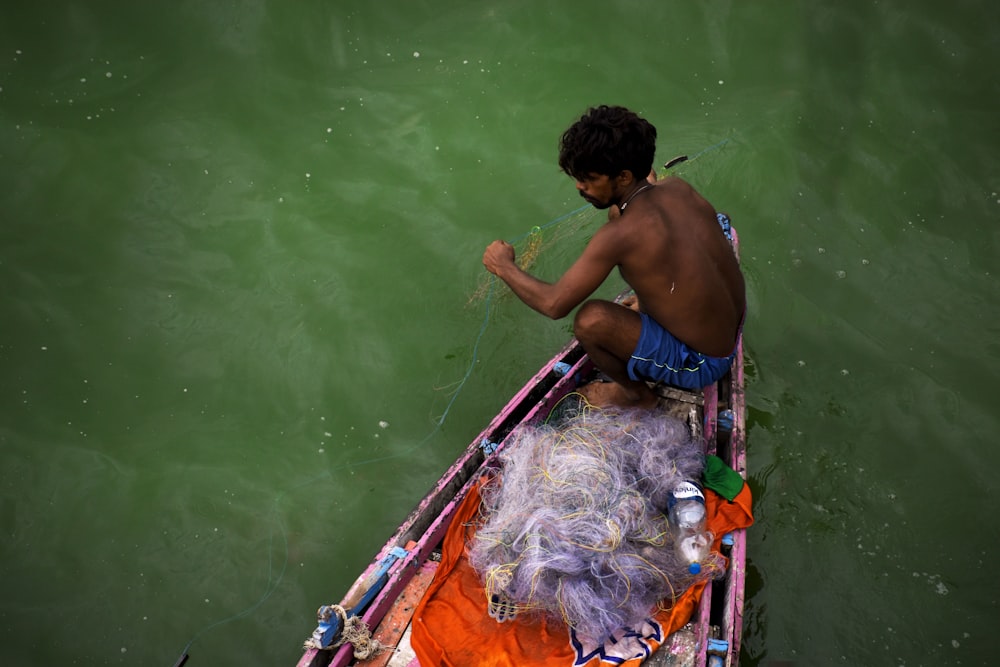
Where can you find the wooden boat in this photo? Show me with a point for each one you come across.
(387, 592)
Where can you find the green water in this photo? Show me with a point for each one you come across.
(238, 243)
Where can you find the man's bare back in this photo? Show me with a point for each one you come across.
(681, 266)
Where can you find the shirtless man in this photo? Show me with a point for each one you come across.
(668, 246)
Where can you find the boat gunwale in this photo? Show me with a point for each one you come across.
(429, 521)
(424, 528)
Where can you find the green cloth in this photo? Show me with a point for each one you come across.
(721, 478)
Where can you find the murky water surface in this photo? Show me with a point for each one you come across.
(238, 243)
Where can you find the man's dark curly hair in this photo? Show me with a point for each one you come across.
(608, 140)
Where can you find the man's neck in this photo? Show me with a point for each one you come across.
(631, 192)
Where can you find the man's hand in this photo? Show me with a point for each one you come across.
(632, 302)
(498, 255)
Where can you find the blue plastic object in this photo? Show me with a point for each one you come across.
(726, 420)
(561, 368)
(329, 627)
(488, 447)
(717, 649)
(725, 224)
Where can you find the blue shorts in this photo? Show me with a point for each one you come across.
(662, 358)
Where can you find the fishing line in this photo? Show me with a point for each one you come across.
(272, 581)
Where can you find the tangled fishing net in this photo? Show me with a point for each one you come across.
(575, 526)
(530, 246)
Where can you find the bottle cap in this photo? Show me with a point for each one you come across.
(694, 568)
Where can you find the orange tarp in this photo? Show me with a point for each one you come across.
(451, 626)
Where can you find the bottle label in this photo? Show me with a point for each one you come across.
(688, 491)
(685, 491)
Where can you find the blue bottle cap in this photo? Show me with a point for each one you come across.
(694, 568)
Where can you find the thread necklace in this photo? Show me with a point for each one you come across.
(632, 196)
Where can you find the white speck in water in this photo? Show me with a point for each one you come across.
(185, 390)
(329, 130)
(206, 172)
(281, 199)
(383, 424)
(437, 148)
(865, 262)
(416, 54)
(821, 250)
(308, 175)
(124, 649)
(954, 644)
(206, 599)
(82, 80)
(844, 371)
(721, 82)
(18, 52)
(321, 450)
(44, 347)
(841, 274)
(801, 363)
(107, 74)
(327, 434)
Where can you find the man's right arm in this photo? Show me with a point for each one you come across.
(554, 300)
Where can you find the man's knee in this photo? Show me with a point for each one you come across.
(591, 318)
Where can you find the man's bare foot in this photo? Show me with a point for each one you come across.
(632, 302)
(607, 394)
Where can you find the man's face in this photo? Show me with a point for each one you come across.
(598, 189)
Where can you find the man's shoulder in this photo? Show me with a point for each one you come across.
(673, 183)
(614, 237)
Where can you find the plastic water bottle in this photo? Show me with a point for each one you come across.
(686, 513)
